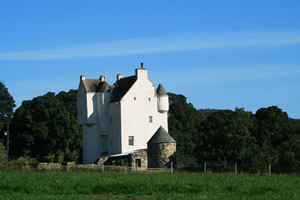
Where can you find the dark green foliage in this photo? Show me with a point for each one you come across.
(45, 126)
(252, 141)
(272, 130)
(7, 104)
(225, 137)
(184, 121)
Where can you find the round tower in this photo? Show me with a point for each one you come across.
(161, 149)
(162, 99)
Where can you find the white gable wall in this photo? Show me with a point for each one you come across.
(137, 106)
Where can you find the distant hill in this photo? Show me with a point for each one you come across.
(208, 111)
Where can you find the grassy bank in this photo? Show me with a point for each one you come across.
(95, 185)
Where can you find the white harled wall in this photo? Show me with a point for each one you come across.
(137, 106)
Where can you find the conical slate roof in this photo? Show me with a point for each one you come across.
(102, 87)
(161, 136)
(161, 90)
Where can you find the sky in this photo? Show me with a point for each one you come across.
(220, 54)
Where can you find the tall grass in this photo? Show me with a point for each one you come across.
(97, 185)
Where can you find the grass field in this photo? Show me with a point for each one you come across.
(97, 185)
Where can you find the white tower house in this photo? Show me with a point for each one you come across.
(162, 99)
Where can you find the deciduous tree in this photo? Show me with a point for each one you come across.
(45, 126)
(184, 122)
(7, 104)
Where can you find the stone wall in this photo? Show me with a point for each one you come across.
(160, 155)
(143, 158)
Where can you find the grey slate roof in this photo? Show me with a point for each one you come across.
(161, 90)
(121, 87)
(91, 84)
(161, 136)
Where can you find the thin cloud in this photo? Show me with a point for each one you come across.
(221, 75)
(178, 42)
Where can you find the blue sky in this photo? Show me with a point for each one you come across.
(219, 54)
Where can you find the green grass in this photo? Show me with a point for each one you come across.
(95, 185)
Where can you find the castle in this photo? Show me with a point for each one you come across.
(123, 117)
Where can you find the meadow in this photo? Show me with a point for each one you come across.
(92, 184)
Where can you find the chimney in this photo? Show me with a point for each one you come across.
(82, 77)
(119, 76)
(141, 72)
(102, 78)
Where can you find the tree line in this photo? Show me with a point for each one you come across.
(225, 137)
(45, 129)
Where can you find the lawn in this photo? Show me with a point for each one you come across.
(96, 185)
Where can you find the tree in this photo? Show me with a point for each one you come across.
(273, 128)
(46, 128)
(7, 105)
(226, 138)
(290, 153)
(184, 122)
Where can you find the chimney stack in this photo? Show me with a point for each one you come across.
(119, 76)
(102, 78)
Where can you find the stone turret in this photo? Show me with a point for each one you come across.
(161, 150)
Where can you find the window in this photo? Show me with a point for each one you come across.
(149, 99)
(150, 119)
(134, 98)
(131, 140)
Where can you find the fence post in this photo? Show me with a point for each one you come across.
(269, 169)
(171, 167)
(204, 167)
(235, 168)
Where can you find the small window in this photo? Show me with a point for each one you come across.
(134, 98)
(150, 119)
(149, 99)
(131, 140)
